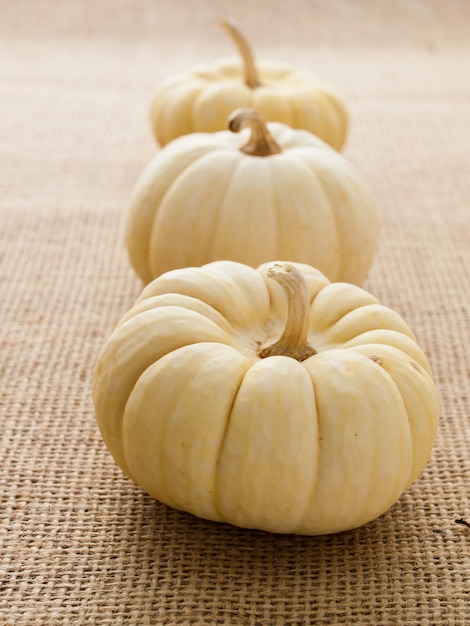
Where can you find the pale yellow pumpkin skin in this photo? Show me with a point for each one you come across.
(202, 199)
(193, 414)
(201, 100)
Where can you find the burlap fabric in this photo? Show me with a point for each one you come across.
(80, 544)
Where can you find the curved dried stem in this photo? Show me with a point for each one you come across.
(251, 76)
(261, 142)
(293, 341)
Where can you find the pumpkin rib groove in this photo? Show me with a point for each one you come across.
(143, 196)
(338, 291)
(124, 439)
(166, 204)
(381, 316)
(226, 199)
(363, 483)
(207, 152)
(138, 235)
(410, 478)
(334, 175)
(272, 432)
(173, 309)
(277, 209)
(379, 336)
(376, 349)
(196, 282)
(368, 239)
(183, 94)
(313, 489)
(221, 447)
(188, 303)
(339, 243)
(171, 402)
(402, 402)
(318, 179)
(121, 341)
(242, 297)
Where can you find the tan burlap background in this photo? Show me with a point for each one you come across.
(79, 543)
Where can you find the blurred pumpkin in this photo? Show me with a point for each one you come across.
(268, 192)
(201, 99)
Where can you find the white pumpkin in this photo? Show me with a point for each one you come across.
(292, 405)
(201, 99)
(268, 191)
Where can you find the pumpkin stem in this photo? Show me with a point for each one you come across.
(293, 341)
(261, 142)
(251, 76)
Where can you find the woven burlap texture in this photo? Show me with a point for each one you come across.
(81, 544)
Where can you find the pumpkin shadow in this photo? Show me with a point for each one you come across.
(212, 550)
